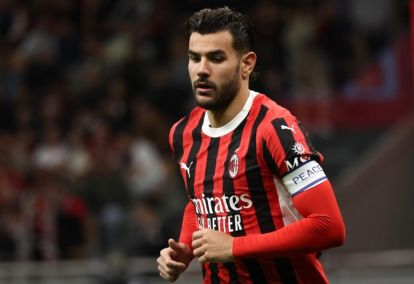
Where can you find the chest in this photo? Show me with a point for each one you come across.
(217, 166)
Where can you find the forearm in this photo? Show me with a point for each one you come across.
(308, 235)
(189, 225)
(321, 228)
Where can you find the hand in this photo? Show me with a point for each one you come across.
(173, 260)
(212, 246)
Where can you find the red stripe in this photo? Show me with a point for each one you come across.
(207, 277)
(242, 273)
(250, 222)
(267, 266)
(223, 273)
(249, 218)
(201, 168)
(268, 182)
(171, 135)
(220, 168)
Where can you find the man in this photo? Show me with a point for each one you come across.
(260, 206)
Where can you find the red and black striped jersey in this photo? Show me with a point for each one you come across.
(240, 179)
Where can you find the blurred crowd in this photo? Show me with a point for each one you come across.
(90, 88)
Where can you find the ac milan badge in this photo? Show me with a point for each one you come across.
(234, 165)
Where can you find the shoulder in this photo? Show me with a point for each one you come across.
(274, 113)
(186, 123)
(274, 109)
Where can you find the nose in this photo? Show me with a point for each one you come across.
(203, 68)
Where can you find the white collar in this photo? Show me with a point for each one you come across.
(229, 127)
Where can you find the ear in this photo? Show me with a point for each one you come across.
(248, 62)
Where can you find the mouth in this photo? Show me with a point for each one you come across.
(203, 87)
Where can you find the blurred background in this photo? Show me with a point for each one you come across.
(89, 89)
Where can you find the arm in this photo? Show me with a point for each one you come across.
(174, 259)
(288, 153)
(320, 228)
(189, 225)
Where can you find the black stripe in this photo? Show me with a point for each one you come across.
(259, 198)
(178, 139)
(285, 270)
(195, 147)
(269, 159)
(254, 180)
(212, 151)
(285, 136)
(208, 185)
(252, 266)
(203, 271)
(228, 189)
(258, 195)
(228, 185)
(255, 271)
(231, 267)
(214, 273)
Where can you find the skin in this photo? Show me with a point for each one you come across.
(219, 75)
(174, 260)
(220, 79)
(212, 246)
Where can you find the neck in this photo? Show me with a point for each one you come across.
(219, 118)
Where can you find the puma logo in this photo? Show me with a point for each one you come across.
(284, 127)
(186, 168)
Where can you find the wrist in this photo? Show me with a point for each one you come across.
(237, 245)
(231, 252)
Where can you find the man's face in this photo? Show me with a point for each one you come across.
(214, 68)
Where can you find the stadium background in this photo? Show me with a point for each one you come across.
(89, 89)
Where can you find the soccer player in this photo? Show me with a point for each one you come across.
(260, 205)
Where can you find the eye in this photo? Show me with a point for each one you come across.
(217, 59)
(194, 57)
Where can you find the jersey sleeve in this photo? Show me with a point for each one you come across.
(320, 228)
(189, 225)
(290, 155)
(171, 140)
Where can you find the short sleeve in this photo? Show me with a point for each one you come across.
(291, 156)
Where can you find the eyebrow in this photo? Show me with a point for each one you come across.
(210, 53)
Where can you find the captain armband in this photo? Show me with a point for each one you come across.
(304, 177)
